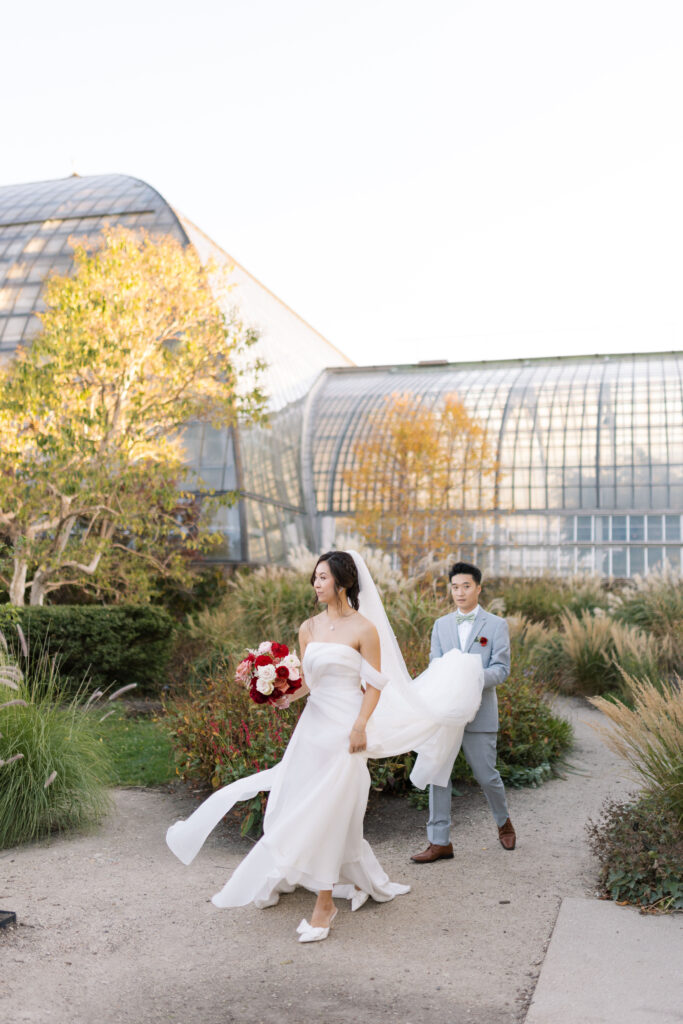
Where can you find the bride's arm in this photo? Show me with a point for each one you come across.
(303, 691)
(370, 650)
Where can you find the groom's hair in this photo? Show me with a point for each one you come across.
(465, 569)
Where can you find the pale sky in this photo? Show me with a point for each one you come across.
(449, 179)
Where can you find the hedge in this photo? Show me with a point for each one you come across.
(112, 646)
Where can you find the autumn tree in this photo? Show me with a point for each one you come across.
(134, 345)
(415, 469)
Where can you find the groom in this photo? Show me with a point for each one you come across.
(474, 631)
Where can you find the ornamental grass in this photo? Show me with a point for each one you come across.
(654, 604)
(649, 735)
(545, 599)
(53, 770)
(589, 654)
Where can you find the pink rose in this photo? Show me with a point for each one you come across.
(243, 671)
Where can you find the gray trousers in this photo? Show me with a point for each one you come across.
(479, 749)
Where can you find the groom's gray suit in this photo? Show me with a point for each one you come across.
(479, 740)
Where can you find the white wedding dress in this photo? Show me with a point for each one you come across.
(313, 826)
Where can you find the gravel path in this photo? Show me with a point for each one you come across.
(114, 930)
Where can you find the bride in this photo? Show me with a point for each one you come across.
(361, 703)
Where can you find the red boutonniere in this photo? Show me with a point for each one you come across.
(481, 640)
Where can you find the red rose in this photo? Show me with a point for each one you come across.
(250, 657)
(282, 672)
(263, 659)
(257, 697)
(483, 641)
(279, 650)
(294, 685)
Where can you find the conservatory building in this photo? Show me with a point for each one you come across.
(589, 453)
(589, 450)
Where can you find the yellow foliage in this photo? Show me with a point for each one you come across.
(416, 468)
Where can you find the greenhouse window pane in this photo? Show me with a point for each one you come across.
(673, 527)
(637, 561)
(654, 558)
(602, 561)
(654, 528)
(619, 561)
(637, 527)
(623, 497)
(618, 527)
(584, 528)
(212, 478)
(584, 562)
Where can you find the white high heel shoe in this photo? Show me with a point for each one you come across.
(307, 933)
(358, 899)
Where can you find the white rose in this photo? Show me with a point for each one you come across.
(291, 662)
(265, 686)
(265, 647)
(266, 673)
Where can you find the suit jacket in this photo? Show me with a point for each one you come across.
(495, 655)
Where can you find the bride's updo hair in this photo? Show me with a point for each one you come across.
(344, 574)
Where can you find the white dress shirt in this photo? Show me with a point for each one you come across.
(465, 628)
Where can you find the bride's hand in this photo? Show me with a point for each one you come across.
(283, 702)
(357, 740)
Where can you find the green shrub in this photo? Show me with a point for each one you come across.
(110, 646)
(640, 848)
(58, 782)
(529, 733)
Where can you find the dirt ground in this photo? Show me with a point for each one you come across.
(114, 930)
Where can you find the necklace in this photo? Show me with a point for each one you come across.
(341, 617)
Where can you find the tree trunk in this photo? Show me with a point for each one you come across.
(38, 588)
(17, 589)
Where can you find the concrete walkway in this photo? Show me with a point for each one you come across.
(610, 965)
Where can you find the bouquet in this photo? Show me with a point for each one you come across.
(269, 672)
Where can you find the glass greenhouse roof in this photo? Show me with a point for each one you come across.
(38, 219)
(569, 433)
(36, 222)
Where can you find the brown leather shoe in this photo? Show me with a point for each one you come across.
(507, 835)
(433, 853)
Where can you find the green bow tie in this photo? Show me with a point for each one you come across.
(459, 617)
